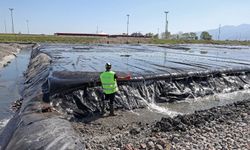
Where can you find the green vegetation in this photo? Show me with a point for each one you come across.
(184, 36)
(44, 38)
(22, 38)
(205, 36)
(167, 41)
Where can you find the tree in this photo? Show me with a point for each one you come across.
(193, 36)
(137, 34)
(205, 36)
(185, 36)
(149, 34)
(156, 36)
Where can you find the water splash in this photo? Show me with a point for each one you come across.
(3, 123)
(191, 105)
(162, 110)
(150, 102)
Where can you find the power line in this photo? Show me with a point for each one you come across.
(158, 33)
(5, 28)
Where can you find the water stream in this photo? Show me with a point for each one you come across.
(11, 78)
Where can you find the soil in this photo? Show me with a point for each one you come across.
(223, 127)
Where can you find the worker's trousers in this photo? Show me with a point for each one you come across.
(111, 98)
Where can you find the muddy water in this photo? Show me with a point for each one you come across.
(11, 78)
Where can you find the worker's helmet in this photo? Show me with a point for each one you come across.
(108, 65)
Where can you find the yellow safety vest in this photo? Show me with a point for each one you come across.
(109, 83)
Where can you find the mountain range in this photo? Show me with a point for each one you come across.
(229, 32)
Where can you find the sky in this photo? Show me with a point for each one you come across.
(110, 16)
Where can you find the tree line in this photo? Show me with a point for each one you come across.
(182, 36)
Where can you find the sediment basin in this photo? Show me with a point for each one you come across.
(62, 89)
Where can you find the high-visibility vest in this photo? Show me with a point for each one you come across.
(109, 83)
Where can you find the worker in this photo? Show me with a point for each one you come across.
(110, 88)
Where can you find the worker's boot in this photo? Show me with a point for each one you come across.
(112, 110)
(103, 106)
(103, 111)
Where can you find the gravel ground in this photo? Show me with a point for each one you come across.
(223, 127)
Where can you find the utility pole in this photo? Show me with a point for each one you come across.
(158, 33)
(27, 21)
(5, 28)
(166, 28)
(127, 22)
(219, 33)
(97, 29)
(11, 12)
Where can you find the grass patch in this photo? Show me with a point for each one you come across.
(45, 38)
(166, 41)
(35, 38)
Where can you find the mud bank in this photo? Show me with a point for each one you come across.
(9, 52)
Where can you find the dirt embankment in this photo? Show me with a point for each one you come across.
(9, 51)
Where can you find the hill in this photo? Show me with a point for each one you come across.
(229, 32)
